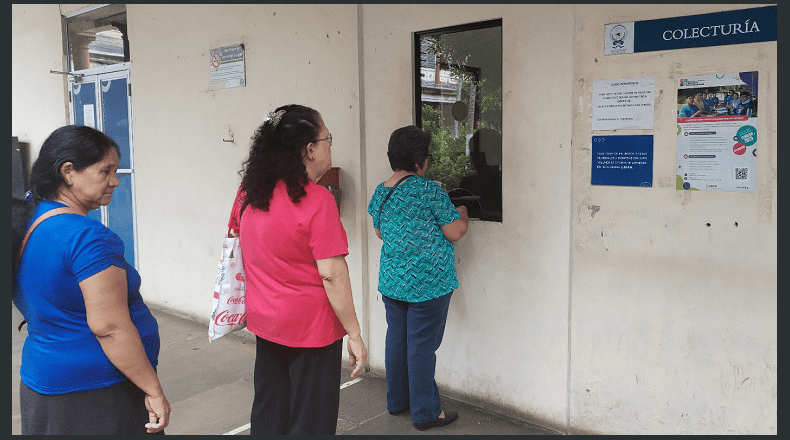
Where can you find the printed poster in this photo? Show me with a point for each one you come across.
(717, 132)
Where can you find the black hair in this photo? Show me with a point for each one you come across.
(276, 154)
(82, 146)
(408, 148)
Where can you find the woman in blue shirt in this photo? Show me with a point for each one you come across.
(89, 359)
(417, 221)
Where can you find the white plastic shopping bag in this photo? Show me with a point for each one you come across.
(228, 312)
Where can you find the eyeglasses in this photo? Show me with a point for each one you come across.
(327, 138)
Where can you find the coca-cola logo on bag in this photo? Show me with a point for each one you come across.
(226, 318)
(240, 277)
(236, 300)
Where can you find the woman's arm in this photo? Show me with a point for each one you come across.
(337, 283)
(108, 318)
(456, 230)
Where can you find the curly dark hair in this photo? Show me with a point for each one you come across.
(276, 154)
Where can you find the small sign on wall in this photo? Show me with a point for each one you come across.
(227, 67)
(622, 160)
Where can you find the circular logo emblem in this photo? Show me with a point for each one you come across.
(748, 135)
(686, 185)
(739, 149)
(618, 34)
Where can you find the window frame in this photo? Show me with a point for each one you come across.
(493, 212)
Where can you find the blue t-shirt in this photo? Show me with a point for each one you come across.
(706, 103)
(417, 261)
(735, 103)
(688, 111)
(744, 107)
(61, 354)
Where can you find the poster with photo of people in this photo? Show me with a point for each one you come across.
(717, 132)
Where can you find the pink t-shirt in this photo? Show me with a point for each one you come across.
(286, 300)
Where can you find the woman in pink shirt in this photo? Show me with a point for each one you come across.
(299, 302)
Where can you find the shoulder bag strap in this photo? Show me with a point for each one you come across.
(390, 193)
(243, 207)
(46, 215)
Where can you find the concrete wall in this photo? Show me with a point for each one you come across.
(673, 325)
(637, 319)
(507, 329)
(39, 102)
(186, 175)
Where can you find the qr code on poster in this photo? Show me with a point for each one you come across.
(741, 173)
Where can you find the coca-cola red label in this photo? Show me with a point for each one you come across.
(226, 318)
(240, 277)
(236, 300)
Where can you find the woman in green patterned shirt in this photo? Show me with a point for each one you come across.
(417, 222)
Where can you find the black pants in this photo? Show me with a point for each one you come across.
(297, 390)
(117, 409)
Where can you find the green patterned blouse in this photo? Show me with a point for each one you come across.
(417, 261)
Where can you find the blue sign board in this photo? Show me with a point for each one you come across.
(622, 160)
(715, 29)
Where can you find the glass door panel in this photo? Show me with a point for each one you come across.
(121, 213)
(115, 112)
(109, 111)
(84, 95)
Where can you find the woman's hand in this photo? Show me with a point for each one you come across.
(334, 272)
(107, 310)
(357, 354)
(158, 413)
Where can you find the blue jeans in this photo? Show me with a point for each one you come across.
(414, 333)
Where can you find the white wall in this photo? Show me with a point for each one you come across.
(38, 97)
(639, 319)
(674, 322)
(186, 175)
(506, 336)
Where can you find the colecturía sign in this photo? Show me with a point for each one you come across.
(716, 29)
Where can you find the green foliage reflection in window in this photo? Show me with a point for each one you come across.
(459, 101)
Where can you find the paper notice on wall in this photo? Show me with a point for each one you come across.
(89, 115)
(623, 104)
